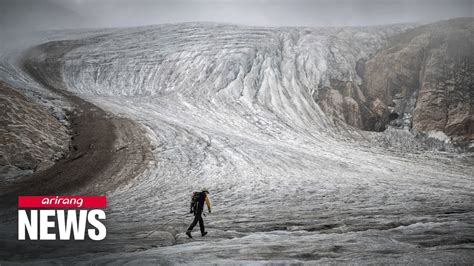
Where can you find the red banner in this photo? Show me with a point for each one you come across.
(62, 202)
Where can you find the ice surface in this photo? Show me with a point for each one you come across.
(231, 108)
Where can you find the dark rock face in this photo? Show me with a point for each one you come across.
(423, 80)
(428, 75)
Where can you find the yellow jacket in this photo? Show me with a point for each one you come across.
(208, 203)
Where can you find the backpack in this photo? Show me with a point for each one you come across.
(195, 200)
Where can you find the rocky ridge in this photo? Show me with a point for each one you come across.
(422, 80)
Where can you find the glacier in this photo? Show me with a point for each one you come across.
(234, 109)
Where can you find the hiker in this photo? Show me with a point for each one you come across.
(197, 206)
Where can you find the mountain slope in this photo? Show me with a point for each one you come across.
(427, 75)
(25, 124)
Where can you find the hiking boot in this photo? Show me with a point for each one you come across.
(188, 233)
(203, 234)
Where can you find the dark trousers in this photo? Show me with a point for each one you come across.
(197, 218)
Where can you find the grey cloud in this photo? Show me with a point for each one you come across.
(55, 14)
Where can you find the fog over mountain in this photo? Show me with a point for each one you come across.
(58, 14)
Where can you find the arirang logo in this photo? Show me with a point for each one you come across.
(61, 217)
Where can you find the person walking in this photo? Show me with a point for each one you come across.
(197, 207)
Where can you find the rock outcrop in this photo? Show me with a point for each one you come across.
(423, 79)
(31, 139)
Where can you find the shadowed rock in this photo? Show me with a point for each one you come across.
(423, 79)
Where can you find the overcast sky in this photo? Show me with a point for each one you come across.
(28, 15)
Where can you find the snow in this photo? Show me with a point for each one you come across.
(439, 135)
(230, 108)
